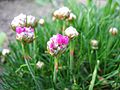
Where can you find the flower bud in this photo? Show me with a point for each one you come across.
(94, 44)
(113, 31)
(39, 64)
(57, 44)
(41, 21)
(5, 52)
(25, 34)
(71, 32)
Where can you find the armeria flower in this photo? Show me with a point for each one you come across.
(71, 17)
(71, 32)
(5, 52)
(23, 20)
(113, 31)
(41, 21)
(20, 20)
(31, 20)
(39, 64)
(94, 44)
(57, 44)
(25, 34)
(62, 13)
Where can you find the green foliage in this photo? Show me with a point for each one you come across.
(92, 23)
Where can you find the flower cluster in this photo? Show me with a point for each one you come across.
(25, 34)
(57, 44)
(23, 25)
(71, 32)
(63, 13)
(23, 20)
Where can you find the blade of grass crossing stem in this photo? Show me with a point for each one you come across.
(94, 76)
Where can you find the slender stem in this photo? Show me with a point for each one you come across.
(28, 65)
(71, 60)
(35, 43)
(55, 69)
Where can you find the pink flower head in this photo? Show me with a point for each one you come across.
(25, 34)
(57, 44)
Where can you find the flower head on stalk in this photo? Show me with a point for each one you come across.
(63, 13)
(71, 32)
(113, 31)
(94, 44)
(23, 20)
(57, 44)
(19, 20)
(31, 20)
(25, 34)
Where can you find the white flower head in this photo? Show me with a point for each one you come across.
(62, 13)
(72, 16)
(41, 21)
(5, 52)
(19, 20)
(31, 20)
(113, 31)
(94, 44)
(39, 64)
(71, 32)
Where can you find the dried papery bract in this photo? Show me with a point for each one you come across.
(113, 31)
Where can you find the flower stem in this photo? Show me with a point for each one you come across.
(71, 60)
(55, 69)
(28, 65)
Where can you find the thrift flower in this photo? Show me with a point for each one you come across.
(62, 13)
(41, 21)
(25, 34)
(71, 32)
(71, 17)
(20, 20)
(5, 52)
(57, 44)
(23, 20)
(94, 44)
(113, 31)
(39, 64)
(31, 20)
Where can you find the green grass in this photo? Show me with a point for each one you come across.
(92, 23)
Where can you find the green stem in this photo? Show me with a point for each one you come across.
(28, 65)
(94, 76)
(71, 60)
(55, 69)
(35, 43)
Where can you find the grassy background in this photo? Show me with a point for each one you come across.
(92, 68)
